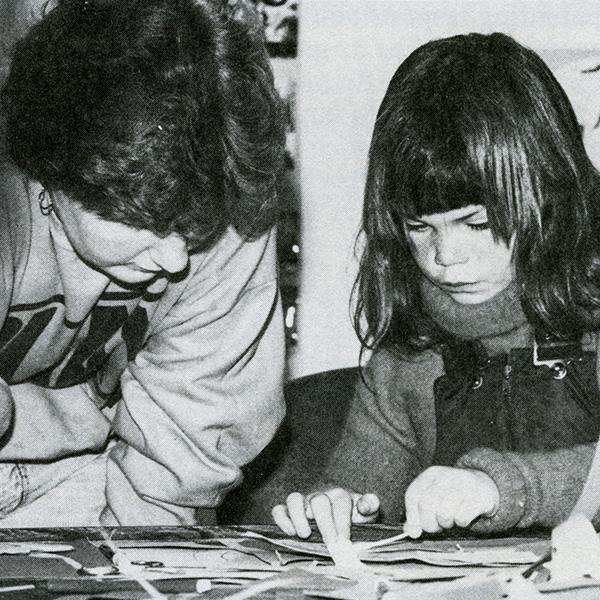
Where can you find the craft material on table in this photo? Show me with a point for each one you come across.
(174, 561)
(395, 550)
(29, 547)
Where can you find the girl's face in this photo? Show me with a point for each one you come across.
(456, 251)
(123, 253)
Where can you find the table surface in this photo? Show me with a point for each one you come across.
(16, 571)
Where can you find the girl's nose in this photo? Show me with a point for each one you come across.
(449, 250)
(171, 253)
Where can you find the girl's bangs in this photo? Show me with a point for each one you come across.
(487, 173)
(507, 177)
(427, 186)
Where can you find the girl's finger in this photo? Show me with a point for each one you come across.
(468, 512)
(446, 517)
(341, 508)
(297, 512)
(323, 514)
(412, 526)
(445, 503)
(366, 508)
(282, 519)
(428, 513)
(308, 509)
(368, 504)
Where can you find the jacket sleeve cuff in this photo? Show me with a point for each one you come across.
(512, 486)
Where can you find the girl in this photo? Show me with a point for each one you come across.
(476, 292)
(140, 333)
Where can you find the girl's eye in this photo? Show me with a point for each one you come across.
(416, 226)
(479, 226)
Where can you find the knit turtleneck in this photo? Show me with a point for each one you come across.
(498, 323)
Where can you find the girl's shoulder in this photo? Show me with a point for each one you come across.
(391, 368)
(393, 357)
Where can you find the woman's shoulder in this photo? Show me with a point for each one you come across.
(233, 253)
(226, 272)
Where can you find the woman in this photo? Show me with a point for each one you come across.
(140, 333)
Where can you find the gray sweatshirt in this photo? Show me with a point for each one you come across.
(191, 369)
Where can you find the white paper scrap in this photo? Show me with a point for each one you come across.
(496, 587)
(575, 550)
(362, 546)
(28, 547)
(344, 554)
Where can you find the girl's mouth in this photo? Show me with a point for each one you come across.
(456, 284)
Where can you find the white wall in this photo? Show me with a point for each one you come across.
(348, 51)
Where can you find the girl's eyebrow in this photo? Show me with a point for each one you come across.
(459, 219)
(470, 214)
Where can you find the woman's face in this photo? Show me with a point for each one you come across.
(456, 251)
(123, 253)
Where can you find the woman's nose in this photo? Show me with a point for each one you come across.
(171, 253)
(449, 250)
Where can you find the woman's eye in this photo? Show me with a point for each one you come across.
(479, 226)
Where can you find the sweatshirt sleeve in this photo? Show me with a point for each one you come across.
(389, 435)
(6, 282)
(204, 395)
(539, 488)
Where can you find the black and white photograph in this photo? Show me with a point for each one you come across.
(299, 299)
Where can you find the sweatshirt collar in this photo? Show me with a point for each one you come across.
(497, 316)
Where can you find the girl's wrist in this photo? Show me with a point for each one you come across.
(511, 487)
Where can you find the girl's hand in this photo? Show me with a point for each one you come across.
(333, 510)
(442, 497)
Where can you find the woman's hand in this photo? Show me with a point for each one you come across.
(442, 497)
(333, 510)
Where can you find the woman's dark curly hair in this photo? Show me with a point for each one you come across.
(159, 114)
(478, 119)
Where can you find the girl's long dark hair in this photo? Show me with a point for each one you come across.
(478, 119)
